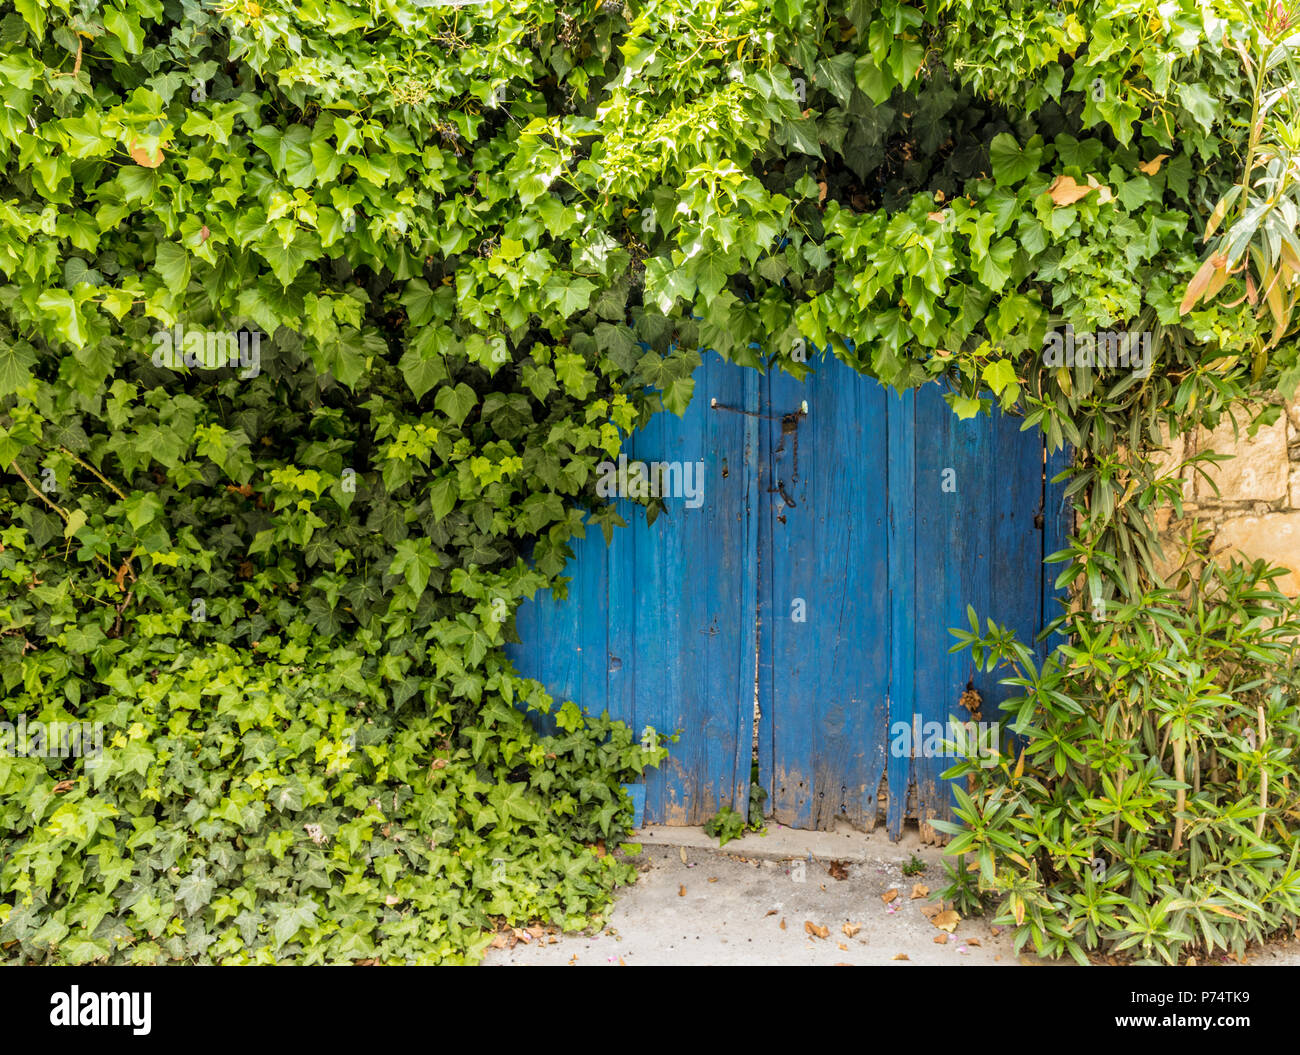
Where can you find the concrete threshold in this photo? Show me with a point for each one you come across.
(780, 843)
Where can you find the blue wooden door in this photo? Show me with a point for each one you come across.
(843, 530)
(658, 627)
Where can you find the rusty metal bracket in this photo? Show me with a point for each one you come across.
(802, 412)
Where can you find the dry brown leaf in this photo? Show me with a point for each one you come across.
(1065, 191)
(947, 920)
(769, 912)
(63, 785)
(821, 191)
(681, 891)
(842, 946)
(599, 848)
(573, 960)
(937, 217)
(889, 895)
(850, 929)
(930, 911)
(522, 935)
(975, 942)
(500, 942)
(783, 923)
(941, 939)
(713, 879)
(902, 956)
(1150, 168)
(919, 890)
(813, 928)
(838, 870)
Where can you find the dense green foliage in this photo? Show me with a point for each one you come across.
(483, 244)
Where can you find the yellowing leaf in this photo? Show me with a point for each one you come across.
(1151, 167)
(142, 155)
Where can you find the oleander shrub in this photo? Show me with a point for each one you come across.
(1149, 804)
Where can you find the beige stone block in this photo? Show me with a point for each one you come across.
(1258, 471)
(1274, 538)
(1295, 489)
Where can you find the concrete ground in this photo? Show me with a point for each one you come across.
(766, 899)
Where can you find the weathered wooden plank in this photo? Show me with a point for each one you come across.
(1058, 523)
(828, 595)
(952, 570)
(900, 499)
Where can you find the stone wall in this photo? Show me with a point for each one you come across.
(1256, 512)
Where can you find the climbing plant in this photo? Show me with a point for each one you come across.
(318, 317)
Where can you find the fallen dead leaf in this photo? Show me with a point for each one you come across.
(814, 929)
(850, 929)
(573, 960)
(522, 935)
(889, 895)
(1065, 191)
(947, 920)
(500, 942)
(937, 217)
(681, 891)
(930, 911)
(975, 942)
(919, 890)
(63, 785)
(1150, 168)
(821, 191)
(838, 870)
(713, 879)
(941, 939)
(783, 924)
(902, 956)
(769, 912)
(842, 946)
